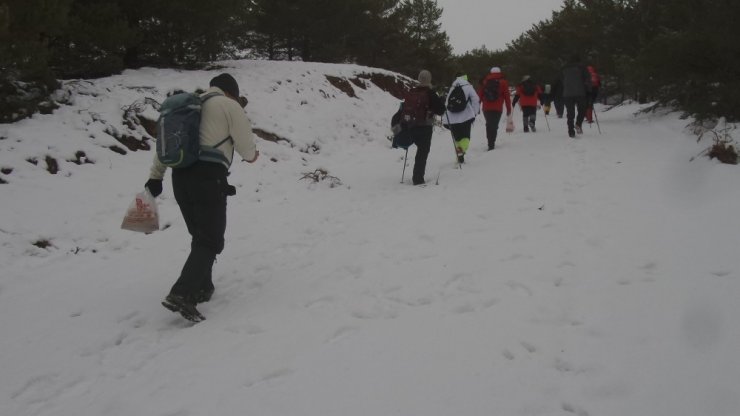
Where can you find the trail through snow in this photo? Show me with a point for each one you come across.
(551, 276)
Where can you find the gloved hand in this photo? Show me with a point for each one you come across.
(154, 186)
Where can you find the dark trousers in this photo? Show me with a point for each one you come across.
(559, 106)
(422, 136)
(571, 105)
(529, 116)
(492, 120)
(461, 130)
(200, 192)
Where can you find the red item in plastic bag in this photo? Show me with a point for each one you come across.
(142, 215)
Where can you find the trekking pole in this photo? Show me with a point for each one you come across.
(404, 164)
(596, 118)
(547, 121)
(459, 165)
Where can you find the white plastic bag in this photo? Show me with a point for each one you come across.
(142, 215)
(510, 123)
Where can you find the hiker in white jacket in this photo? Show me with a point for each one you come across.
(459, 116)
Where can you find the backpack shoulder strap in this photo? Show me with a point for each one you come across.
(223, 141)
(209, 96)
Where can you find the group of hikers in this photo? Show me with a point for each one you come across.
(573, 92)
(198, 135)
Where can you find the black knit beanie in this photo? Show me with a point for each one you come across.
(227, 83)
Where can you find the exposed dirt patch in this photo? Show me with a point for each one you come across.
(724, 152)
(132, 143)
(52, 165)
(118, 150)
(342, 85)
(396, 86)
(42, 244)
(80, 158)
(360, 83)
(150, 126)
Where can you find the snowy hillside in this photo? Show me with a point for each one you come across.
(551, 276)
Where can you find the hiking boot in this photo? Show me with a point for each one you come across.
(533, 129)
(204, 295)
(460, 155)
(526, 129)
(183, 306)
(571, 133)
(579, 129)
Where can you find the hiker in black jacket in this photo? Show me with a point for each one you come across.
(420, 131)
(576, 87)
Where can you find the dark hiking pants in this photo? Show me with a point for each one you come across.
(493, 118)
(571, 105)
(422, 136)
(461, 130)
(200, 192)
(529, 117)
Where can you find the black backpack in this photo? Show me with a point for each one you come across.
(491, 89)
(415, 107)
(528, 88)
(457, 101)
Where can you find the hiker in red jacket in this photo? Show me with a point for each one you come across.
(494, 93)
(595, 85)
(529, 93)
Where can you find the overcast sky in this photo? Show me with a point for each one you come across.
(493, 23)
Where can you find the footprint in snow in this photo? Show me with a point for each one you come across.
(340, 333)
(570, 408)
(529, 347)
(270, 377)
(520, 287)
(324, 300)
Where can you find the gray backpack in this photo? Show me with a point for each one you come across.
(178, 131)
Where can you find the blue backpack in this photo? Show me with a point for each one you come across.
(178, 131)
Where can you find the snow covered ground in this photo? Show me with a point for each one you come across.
(596, 276)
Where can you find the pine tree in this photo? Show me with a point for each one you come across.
(29, 28)
(426, 45)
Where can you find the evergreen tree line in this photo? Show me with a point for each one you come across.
(683, 53)
(678, 52)
(49, 39)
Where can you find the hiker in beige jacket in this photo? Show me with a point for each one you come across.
(201, 190)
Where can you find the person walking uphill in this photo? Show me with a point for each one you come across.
(493, 94)
(529, 93)
(463, 105)
(419, 107)
(201, 189)
(576, 87)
